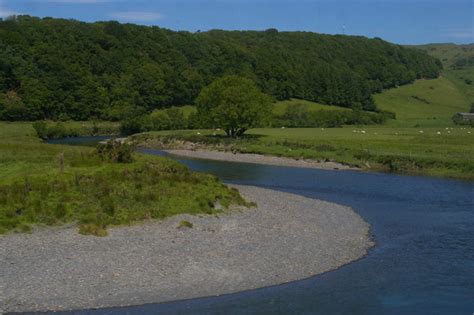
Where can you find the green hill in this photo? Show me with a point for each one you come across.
(59, 69)
(424, 103)
(451, 55)
(434, 102)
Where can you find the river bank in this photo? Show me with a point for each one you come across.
(445, 152)
(286, 238)
(260, 159)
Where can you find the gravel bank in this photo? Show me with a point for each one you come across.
(259, 159)
(288, 237)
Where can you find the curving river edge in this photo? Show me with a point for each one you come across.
(288, 237)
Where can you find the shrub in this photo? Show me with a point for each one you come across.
(41, 129)
(176, 118)
(115, 151)
(160, 120)
(136, 125)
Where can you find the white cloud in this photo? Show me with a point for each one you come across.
(461, 33)
(142, 16)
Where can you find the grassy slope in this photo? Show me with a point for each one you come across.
(459, 78)
(91, 192)
(447, 53)
(427, 103)
(440, 98)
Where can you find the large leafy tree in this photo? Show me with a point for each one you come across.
(234, 104)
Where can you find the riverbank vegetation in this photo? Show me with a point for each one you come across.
(59, 129)
(443, 152)
(95, 188)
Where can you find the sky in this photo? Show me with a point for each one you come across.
(398, 21)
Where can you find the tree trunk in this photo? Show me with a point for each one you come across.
(241, 131)
(235, 132)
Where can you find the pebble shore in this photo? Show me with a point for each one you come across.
(259, 159)
(285, 238)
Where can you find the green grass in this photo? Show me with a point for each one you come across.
(460, 78)
(36, 189)
(402, 150)
(280, 107)
(433, 102)
(425, 103)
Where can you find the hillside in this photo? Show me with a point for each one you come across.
(60, 69)
(458, 62)
(426, 103)
(434, 102)
(451, 55)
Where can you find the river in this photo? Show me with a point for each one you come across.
(423, 262)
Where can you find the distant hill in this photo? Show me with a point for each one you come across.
(451, 55)
(458, 63)
(434, 102)
(61, 69)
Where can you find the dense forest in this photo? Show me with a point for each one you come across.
(66, 69)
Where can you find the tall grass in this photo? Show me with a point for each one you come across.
(53, 185)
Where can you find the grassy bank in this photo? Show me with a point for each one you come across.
(54, 185)
(401, 150)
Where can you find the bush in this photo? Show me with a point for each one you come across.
(115, 151)
(176, 119)
(160, 120)
(136, 125)
(41, 129)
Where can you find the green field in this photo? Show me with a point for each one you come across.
(402, 150)
(433, 102)
(463, 79)
(54, 184)
(425, 103)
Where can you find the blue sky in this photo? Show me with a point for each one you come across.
(399, 21)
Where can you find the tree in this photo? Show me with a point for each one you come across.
(234, 104)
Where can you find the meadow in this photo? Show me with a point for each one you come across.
(425, 103)
(443, 152)
(53, 185)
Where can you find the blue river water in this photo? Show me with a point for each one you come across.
(423, 262)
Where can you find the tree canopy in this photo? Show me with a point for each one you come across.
(234, 104)
(66, 69)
